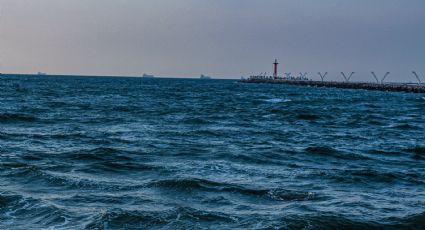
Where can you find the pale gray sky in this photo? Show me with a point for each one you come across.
(230, 38)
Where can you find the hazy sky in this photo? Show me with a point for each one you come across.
(229, 38)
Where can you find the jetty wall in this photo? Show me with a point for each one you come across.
(388, 87)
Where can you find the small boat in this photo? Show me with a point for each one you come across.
(41, 74)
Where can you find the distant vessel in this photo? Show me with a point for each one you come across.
(205, 77)
(148, 76)
(41, 74)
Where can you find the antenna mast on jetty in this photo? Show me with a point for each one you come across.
(323, 76)
(374, 76)
(382, 79)
(303, 76)
(417, 77)
(347, 79)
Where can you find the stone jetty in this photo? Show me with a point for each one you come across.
(387, 87)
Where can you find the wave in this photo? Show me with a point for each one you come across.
(57, 104)
(277, 100)
(191, 218)
(15, 117)
(20, 89)
(68, 136)
(405, 126)
(331, 221)
(260, 159)
(372, 175)
(324, 221)
(277, 194)
(98, 154)
(127, 108)
(35, 176)
(8, 199)
(327, 151)
(416, 221)
(298, 114)
(196, 121)
(206, 132)
(100, 160)
(177, 218)
(18, 212)
(125, 167)
(369, 175)
(391, 152)
(307, 116)
(109, 199)
(45, 136)
(186, 184)
(418, 152)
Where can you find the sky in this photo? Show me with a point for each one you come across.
(219, 38)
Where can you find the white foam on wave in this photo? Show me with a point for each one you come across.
(277, 100)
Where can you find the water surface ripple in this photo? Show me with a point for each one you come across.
(117, 153)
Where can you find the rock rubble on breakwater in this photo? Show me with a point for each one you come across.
(389, 87)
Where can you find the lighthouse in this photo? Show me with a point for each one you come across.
(275, 69)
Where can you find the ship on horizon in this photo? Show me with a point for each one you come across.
(205, 77)
(147, 76)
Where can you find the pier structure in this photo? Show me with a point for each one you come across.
(302, 80)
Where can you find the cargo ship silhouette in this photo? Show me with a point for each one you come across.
(148, 76)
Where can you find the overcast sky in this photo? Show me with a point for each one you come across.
(228, 38)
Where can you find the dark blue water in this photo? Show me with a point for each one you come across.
(126, 153)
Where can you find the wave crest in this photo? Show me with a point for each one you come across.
(277, 194)
(177, 218)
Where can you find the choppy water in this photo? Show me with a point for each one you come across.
(116, 153)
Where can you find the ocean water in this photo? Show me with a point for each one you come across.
(129, 153)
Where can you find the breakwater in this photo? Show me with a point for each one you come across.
(389, 87)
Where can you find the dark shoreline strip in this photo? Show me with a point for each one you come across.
(410, 88)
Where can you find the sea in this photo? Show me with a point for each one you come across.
(130, 153)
